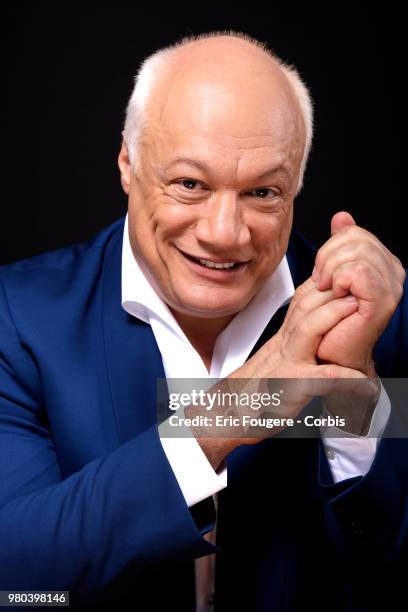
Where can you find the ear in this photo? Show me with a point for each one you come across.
(124, 166)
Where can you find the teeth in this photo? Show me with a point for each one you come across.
(219, 266)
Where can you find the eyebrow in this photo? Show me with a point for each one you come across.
(203, 167)
(199, 165)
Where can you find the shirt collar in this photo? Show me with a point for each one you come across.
(138, 296)
(141, 300)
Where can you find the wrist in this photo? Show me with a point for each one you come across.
(356, 407)
(217, 449)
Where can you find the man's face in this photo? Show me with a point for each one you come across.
(210, 209)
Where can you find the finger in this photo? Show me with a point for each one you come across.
(309, 286)
(361, 279)
(340, 221)
(301, 290)
(364, 281)
(300, 343)
(351, 235)
(352, 253)
(306, 303)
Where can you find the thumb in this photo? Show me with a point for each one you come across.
(340, 221)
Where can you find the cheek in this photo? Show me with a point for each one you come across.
(146, 215)
(173, 220)
(270, 235)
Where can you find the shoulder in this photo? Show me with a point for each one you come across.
(63, 265)
(46, 299)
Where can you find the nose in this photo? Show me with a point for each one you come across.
(222, 227)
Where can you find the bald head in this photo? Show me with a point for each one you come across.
(225, 84)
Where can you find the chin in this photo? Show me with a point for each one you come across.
(211, 309)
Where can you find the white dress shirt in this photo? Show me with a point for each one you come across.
(350, 456)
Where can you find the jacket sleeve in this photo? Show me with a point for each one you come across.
(79, 532)
(367, 516)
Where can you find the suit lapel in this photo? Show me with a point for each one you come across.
(133, 359)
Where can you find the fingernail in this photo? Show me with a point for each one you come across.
(313, 273)
(351, 298)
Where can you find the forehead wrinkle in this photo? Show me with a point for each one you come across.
(272, 159)
(250, 173)
(236, 174)
(284, 144)
(209, 145)
(214, 155)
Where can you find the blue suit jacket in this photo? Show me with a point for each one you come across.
(89, 503)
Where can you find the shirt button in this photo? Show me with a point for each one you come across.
(330, 453)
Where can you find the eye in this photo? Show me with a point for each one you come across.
(189, 184)
(263, 192)
(189, 190)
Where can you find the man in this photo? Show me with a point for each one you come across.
(91, 499)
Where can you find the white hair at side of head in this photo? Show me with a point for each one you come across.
(155, 65)
(136, 116)
(306, 106)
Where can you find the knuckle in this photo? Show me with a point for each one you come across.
(319, 257)
(397, 261)
(302, 327)
(363, 268)
(360, 267)
(396, 298)
(366, 249)
(301, 289)
(359, 232)
(301, 306)
(342, 273)
(352, 231)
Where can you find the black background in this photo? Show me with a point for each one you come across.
(69, 72)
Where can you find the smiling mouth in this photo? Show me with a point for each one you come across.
(214, 265)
